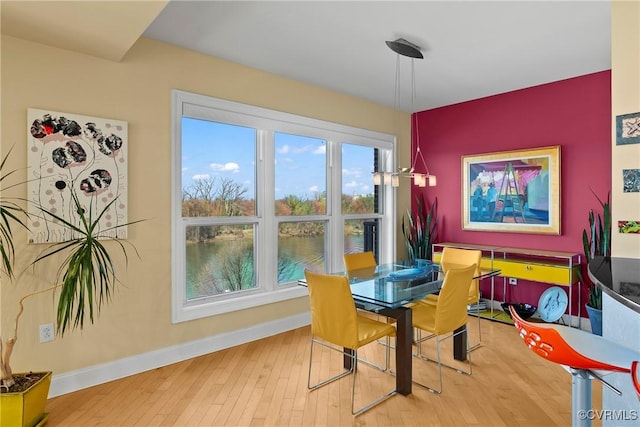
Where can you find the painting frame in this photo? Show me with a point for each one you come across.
(628, 129)
(88, 154)
(515, 191)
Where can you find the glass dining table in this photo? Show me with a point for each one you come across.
(388, 290)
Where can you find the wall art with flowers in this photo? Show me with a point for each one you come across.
(71, 152)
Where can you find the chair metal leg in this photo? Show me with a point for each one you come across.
(439, 361)
(352, 370)
(328, 380)
(369, 405)
(387, 343)
(580, 397)
(476, 345)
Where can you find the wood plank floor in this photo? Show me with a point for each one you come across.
(264, 383)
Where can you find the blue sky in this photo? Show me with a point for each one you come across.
(211, 149)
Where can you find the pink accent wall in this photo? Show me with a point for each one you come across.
(573, 113)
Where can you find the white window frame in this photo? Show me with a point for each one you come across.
(267, 291)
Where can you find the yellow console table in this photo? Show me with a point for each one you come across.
(552, 267)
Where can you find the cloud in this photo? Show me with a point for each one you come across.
(351, 184)
(201, 176)
(284, 149)
(320, 150)
(227, 167)
(309, 148)
(352, 172)
(314, 188)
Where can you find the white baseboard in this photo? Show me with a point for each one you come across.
(99, 374)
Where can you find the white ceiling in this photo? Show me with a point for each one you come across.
(472, 49)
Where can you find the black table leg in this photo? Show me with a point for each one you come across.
(460, 343)
(404, 343)
(347, 358)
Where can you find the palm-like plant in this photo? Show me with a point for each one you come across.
(86, 276)
(597, 242)
(9, 212)
(420, 229)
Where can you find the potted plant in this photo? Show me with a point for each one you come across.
(86, 278)
(420, 229)
(596, 241)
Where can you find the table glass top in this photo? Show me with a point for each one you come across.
(393, 285)
(397, 284)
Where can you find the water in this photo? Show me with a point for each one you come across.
(210, 264)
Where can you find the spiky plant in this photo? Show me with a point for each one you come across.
(9, 212)
(597, 242)
(86, 276)
(420, 229)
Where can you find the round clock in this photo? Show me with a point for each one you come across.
(552, 304)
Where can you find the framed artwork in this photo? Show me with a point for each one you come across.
(628, 129)
(629, 227)
(512, 191)
(88, 154)
(631, 180)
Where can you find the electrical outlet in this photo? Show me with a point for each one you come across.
(46, 332)
(513, 281)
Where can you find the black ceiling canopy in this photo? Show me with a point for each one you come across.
(405, 48)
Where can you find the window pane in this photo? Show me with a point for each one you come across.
(357, 179)
(354, 235)
(219, 259)
(300, 245)
(218, 169)
(300, 175)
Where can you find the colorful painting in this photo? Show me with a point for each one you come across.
(629, 227)
(512, 191)
(631, 180)
(88, 154)
(628, 129)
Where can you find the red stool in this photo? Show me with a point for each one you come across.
(586, 356)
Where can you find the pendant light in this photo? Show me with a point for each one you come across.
(421, 179)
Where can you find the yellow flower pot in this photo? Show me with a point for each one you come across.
(25, 409)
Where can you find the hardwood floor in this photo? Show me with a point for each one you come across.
(264, 383)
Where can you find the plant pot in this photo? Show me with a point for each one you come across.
(595, 318)
(26, 409)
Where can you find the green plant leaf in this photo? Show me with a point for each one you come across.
(420, 229)
(87, 273)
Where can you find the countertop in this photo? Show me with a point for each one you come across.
(619, 278)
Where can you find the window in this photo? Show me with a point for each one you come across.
(260, 195)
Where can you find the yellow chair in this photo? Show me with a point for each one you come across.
(336, 323)
(442, 319)
(360, 261)
(456, 258)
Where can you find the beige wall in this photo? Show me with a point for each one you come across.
(625, 98)
(137, 90)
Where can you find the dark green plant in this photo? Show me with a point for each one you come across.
(597, 242)
(86, 276)
(9, 212)
(420, 229)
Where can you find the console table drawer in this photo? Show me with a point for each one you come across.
(560, 275)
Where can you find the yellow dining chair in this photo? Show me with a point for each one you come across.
(456, 258)
(360, 261)
(442, 319)
(335, 323)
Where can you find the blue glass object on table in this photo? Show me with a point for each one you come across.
(396, 284)
(415, 269)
